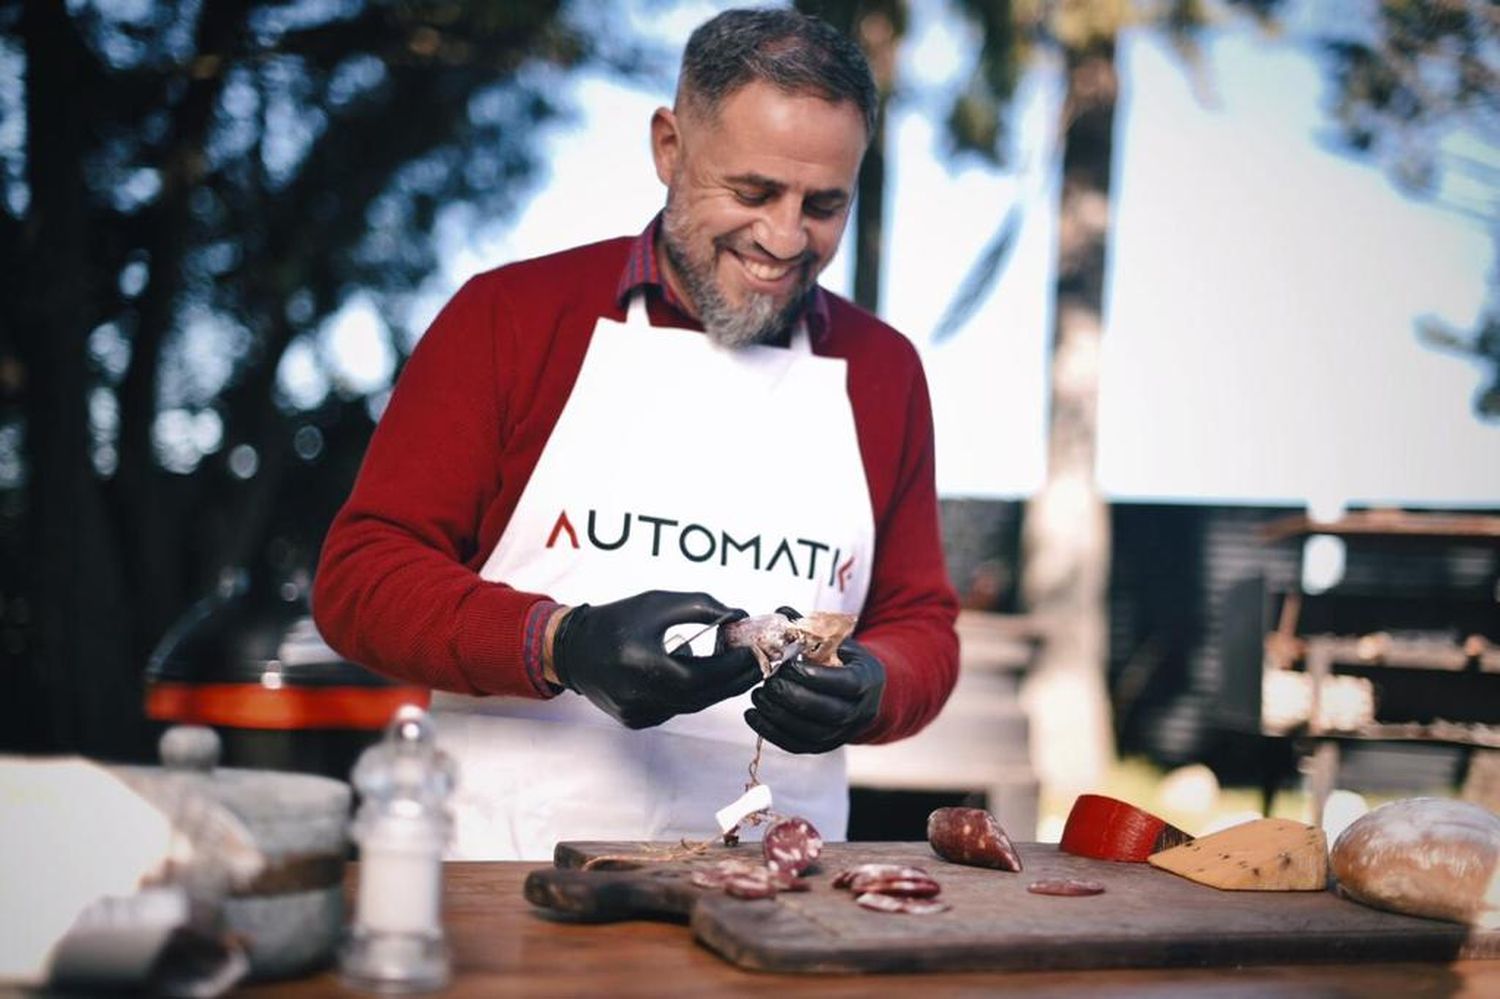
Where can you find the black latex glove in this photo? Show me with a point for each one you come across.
(811, 709)
(613, 655)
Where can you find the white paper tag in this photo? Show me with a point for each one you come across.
(753, 800)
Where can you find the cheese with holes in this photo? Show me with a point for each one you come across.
(1261, 855)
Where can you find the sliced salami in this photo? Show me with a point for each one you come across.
(750, 886)
(891, 903)
(792, 844)
(708, 879)
(869, 877)
(786, 881)
(715, 876)
(1065, 886)
(902, 887)
(745, 880)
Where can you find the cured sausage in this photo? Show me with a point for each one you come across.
(1065, 886)
(791, 844)
(776, 638)
(971, 836)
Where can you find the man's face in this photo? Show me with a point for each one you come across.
(757, 199)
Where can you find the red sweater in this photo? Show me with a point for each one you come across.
(398, 586)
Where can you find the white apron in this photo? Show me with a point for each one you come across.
(675, 465)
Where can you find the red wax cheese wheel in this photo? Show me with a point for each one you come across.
(1109, 829)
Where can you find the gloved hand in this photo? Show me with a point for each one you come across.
(811, 709)
(613, 655)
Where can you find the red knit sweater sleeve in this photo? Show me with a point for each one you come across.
(909, 614)
(396, 588)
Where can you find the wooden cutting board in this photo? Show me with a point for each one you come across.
(1145, 918)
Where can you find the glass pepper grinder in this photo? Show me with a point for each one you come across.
(396, 942)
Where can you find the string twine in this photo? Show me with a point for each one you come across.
(685, 848)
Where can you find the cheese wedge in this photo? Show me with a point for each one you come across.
(1260, 855)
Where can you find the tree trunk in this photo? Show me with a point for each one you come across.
(1066, 533)
(877, 26)
(87, 690)
(147, 508)
(877, 35)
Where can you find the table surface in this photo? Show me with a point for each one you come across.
(503, 946)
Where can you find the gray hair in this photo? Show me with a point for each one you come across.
(790, 50)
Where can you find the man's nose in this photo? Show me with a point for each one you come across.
(780, 231)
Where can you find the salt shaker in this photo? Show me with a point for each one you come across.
(396, 942)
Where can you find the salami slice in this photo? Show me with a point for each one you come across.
(910, 906)
(866, 877)
(785, 881)
(792, 844)
(715, 876)
(750, 886)
(744, 880)
(902, 887)
(708, 879)
(1065, 886)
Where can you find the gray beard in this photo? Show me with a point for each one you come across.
(757, 321)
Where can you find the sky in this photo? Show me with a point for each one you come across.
(1260, 343)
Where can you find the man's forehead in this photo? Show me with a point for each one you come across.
(699, 109)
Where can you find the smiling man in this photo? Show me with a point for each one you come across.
(758, 191)
(659, 434)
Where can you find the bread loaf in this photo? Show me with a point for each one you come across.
(1424, 857)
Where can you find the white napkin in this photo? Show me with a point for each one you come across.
(98, 879)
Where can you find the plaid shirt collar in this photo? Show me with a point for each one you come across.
(642, 271)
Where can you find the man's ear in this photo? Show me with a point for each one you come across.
(666, 144)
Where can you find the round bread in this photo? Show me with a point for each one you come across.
(1424, 857)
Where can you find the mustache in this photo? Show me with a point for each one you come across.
(803, 260)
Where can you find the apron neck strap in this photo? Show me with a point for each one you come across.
(635, 312)
(635, 315)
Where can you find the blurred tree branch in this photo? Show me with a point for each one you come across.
(249, 162)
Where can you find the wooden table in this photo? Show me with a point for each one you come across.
(503, 946)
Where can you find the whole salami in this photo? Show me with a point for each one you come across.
(971, 836)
